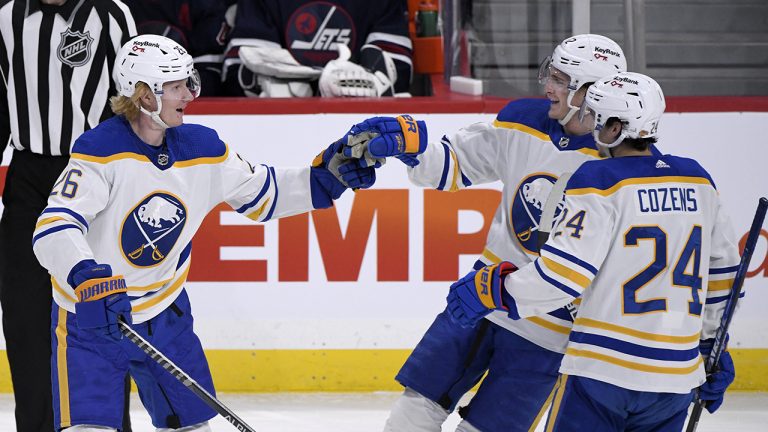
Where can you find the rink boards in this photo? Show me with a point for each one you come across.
(334, 301)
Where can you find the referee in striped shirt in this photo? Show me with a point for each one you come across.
(56, 60)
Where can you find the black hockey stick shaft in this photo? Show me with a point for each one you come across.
(730, 306)
(185, 379)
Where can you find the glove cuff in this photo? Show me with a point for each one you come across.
(324, 187)
(490, 289)
(414, 134)
(99, 288)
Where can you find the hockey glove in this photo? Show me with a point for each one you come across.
(713, 391)
(479, 293)
(401, 137)
(101, 300)
(332, 172)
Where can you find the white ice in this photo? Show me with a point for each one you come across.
(366, 412)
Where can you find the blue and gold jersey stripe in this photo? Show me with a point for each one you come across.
(522, 128)
(642, 367)
(638, 181)
(723, 270)
(206, 160)
(566, 272)
(635, 350)
(259, 195)
(62, 368)
(588, 322)
(47, 221)
(554, 282)
(157, 298)
(490, 256)
(65, 210)
(110, 158)
(549, 325)
(55, 229)
(720, 285)
(566, 256)
(540, 135)
(61, 291)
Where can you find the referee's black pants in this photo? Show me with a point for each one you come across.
(25, 290)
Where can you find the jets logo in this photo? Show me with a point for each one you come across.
(151, 229)
(527, 205)
(75, 48)
(314, 31)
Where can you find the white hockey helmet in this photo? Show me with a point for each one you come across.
(635, 99)
(153, 60)
(585, 58)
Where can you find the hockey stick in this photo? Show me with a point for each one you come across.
(730, 306)
(550, 208)
(185, 379)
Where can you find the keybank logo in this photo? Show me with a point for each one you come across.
(607, 51)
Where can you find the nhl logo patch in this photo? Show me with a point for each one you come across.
(75, 48)
(564, 141)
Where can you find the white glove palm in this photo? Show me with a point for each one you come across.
(341, 77)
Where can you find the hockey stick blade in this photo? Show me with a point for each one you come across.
(185, 379)
(730, 307)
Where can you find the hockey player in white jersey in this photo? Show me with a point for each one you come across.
(116, 238)
(527, 147)
(644, 242)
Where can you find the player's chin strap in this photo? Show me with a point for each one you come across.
(155, 115)
(609, 146)
(571, 109)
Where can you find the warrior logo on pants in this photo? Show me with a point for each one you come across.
(152, 228)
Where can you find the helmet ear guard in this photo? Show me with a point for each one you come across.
(636, 100)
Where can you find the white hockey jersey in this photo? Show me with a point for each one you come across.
(527, 152)
(136, 207)
(645, 243)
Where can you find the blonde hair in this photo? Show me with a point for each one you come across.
(129, 106)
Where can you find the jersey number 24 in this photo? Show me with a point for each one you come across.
(692, 281)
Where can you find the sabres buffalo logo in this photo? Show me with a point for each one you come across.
(151, 229)
(527, 205)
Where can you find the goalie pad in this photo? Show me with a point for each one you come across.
(280, 88)
(275, 62)
(276, 72)
(342, 78)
